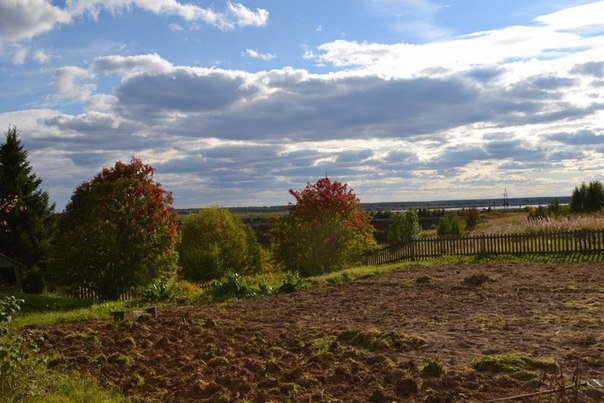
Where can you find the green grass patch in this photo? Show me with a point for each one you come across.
(60, 387)
(376, 340)
(512, 362)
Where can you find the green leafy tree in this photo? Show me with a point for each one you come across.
(26, 216)
(325, 230)
(587, 198)
(214, 243)
(450, 225)
(118, 232)
(404, 228)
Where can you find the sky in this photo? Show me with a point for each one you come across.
(234, 103)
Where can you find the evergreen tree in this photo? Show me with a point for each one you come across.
(26, 227)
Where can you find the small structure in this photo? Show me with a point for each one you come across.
(8, 265)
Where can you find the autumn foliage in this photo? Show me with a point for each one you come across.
(324, 230)
(117, 232)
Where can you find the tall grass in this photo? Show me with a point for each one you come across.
(549, 224)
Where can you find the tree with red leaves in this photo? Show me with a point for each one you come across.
(325, 230)
(117, 232)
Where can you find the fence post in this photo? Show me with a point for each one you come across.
(483, 249)
(412, 249)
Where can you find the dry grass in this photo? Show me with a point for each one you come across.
(517, 223)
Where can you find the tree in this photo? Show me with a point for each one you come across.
(26, 216)
(326, 229)
(587, 198)
(404, 228)
(471, 216)
(117, 232)
(214, 243)
(450, 225)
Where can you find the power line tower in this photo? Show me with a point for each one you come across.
(506, 202)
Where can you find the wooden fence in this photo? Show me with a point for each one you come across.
(563, 242)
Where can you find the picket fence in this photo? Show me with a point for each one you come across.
(562, 242)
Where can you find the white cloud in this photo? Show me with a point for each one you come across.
(24, 19)
(72, 82)
(150, 63)
(319, 28)
(19, 56)
(41, 56)
(247, 17)
(548, 40)
(175, 27)
(257, 55)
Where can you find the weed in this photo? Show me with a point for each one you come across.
(373, 340)
(433, 367)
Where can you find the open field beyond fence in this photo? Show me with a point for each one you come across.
(560, 242)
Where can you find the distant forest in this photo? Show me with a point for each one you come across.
(436, 204)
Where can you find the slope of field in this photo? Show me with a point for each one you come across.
(380, 339)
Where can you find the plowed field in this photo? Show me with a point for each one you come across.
(378, 339)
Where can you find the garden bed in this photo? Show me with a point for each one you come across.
(394, 337)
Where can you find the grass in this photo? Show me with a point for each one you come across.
(50, 308)
(512, 362)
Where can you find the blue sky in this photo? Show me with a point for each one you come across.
(234, 103)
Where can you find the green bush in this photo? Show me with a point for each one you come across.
(404, 228)
(214, 243)
(450, 225)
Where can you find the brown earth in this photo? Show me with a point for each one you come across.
(360, 341)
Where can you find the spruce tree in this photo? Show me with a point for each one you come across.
(25, 228)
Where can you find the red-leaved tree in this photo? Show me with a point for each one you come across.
(325, 230)
(117, 232)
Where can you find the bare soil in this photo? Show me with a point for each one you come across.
(367, 340)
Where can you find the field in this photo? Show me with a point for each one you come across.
(464, 332)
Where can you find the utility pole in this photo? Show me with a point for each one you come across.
(506, 203)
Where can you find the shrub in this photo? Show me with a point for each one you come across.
(471, 217)
(325, 230)
(214, 243)
(118, 232)
(404, 228)
(450, 225)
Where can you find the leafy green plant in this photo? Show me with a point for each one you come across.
(19, 357)
(292, 282)
(233, 286)
(157, 292)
